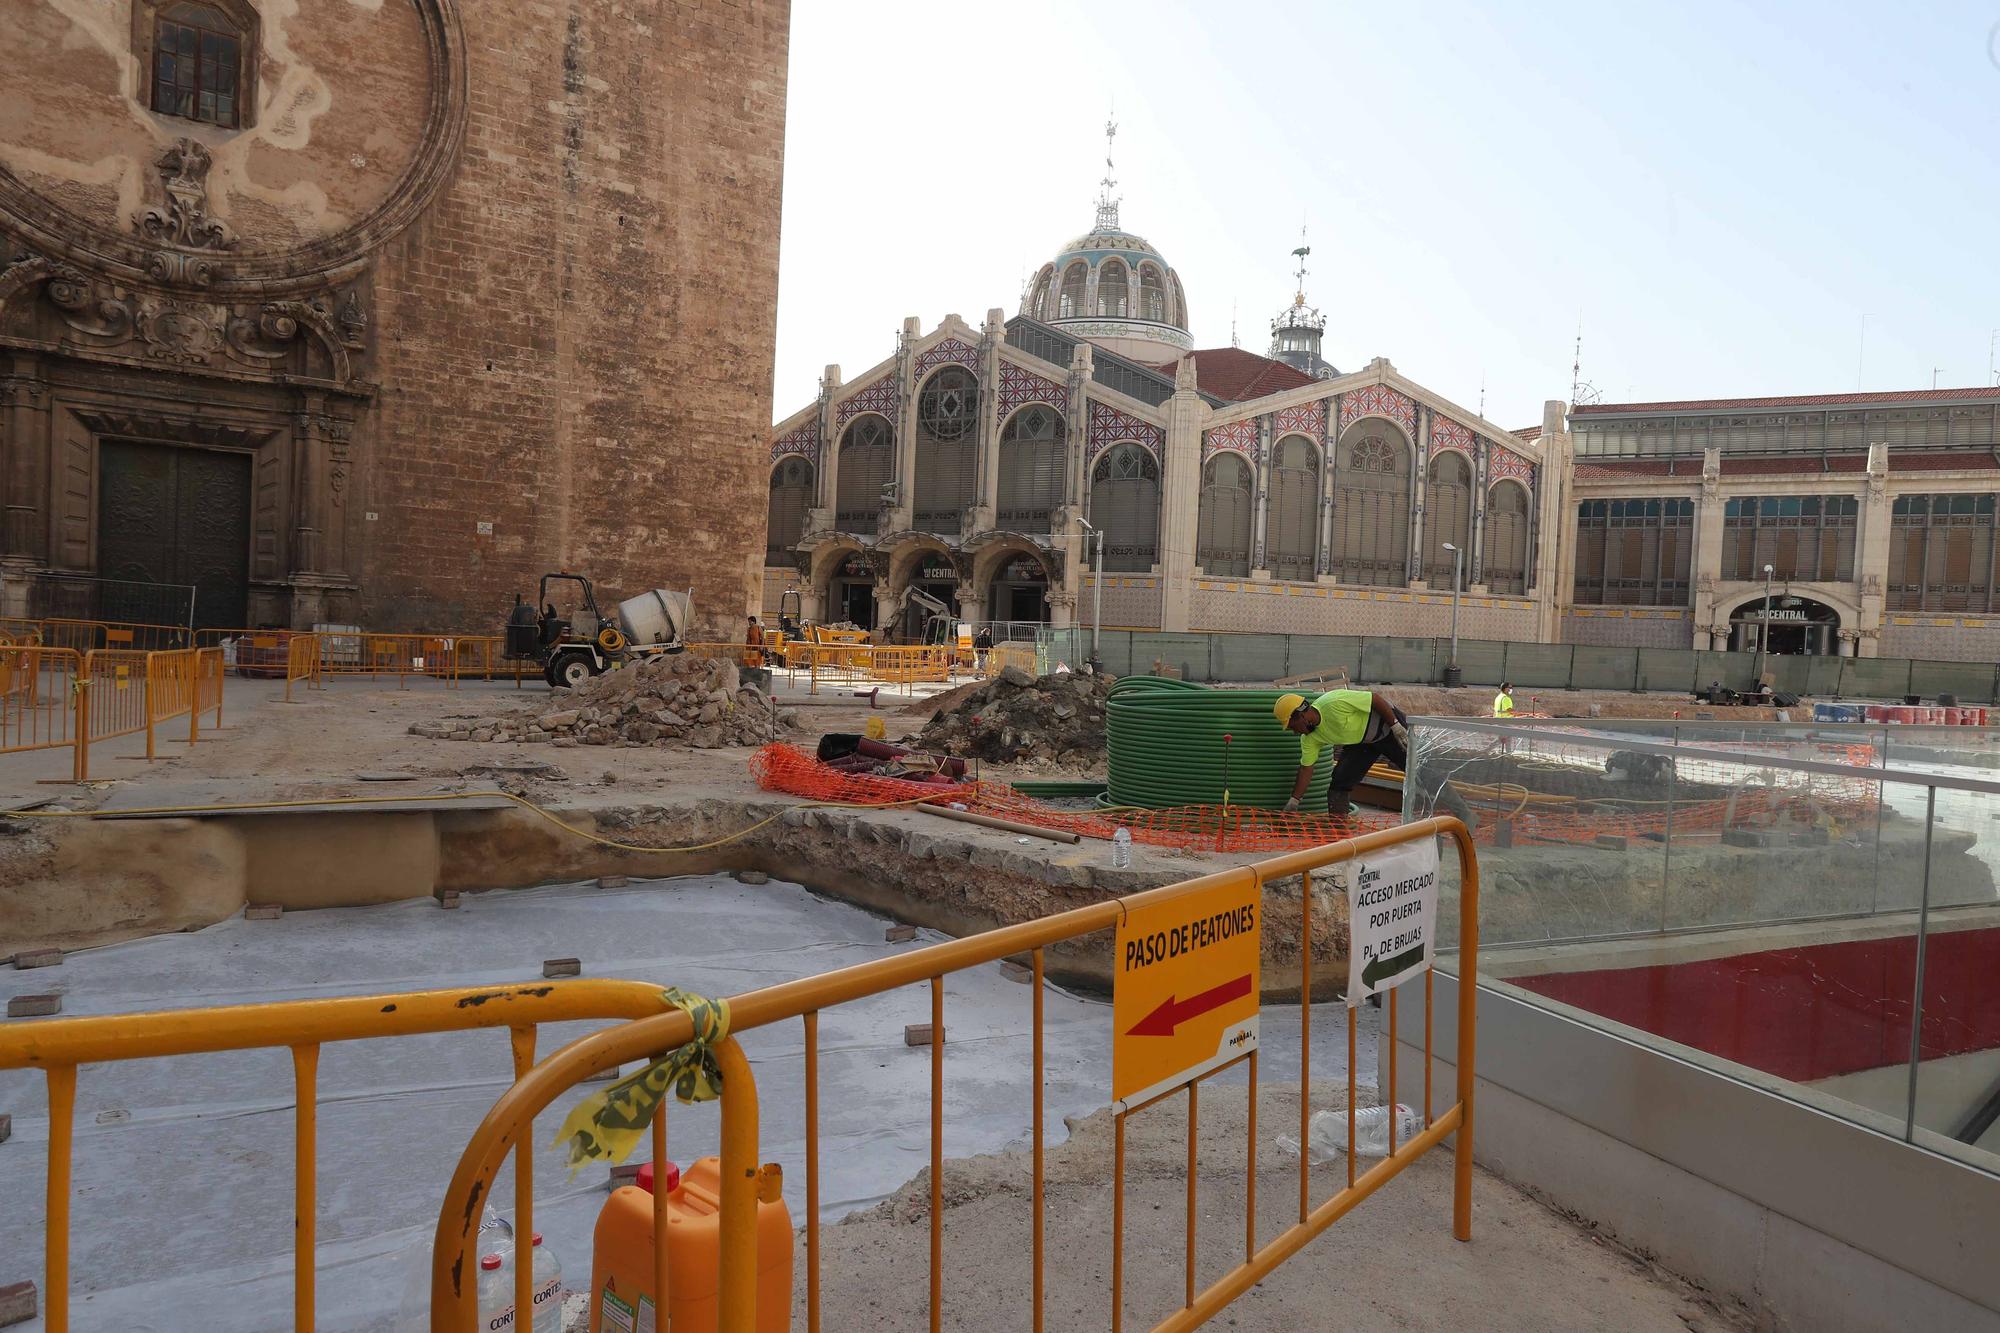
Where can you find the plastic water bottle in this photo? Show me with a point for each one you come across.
(496, 1294)
(1328, 1132)
(496, 1235)
(548, 1290)
(1121, 848)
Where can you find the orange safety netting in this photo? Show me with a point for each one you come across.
(1525, 816)
(1213, 828)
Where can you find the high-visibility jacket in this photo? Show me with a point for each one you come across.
(1503, 704)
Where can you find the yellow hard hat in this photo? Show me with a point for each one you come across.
(1287, 705)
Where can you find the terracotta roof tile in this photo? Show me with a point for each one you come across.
(1984, 394)
(1238, 375)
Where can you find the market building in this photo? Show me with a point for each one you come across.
(1234, 491)
(1874, 513)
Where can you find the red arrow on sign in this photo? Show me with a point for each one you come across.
(1172, 1012)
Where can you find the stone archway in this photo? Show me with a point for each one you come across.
(1795, 625)
(1016, 581)
(925, 562)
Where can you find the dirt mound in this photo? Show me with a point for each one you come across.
(1016, 717)
(674, 701)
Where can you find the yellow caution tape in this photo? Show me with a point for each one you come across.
(605, 1126)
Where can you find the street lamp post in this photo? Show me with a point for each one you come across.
(1452, 675)
(1763, 632)
(1096, 592)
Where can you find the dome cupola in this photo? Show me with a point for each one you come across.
(1110, 287)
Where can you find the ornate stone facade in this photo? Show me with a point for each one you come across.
(407, 329)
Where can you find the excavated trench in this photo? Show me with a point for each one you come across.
(151, 876)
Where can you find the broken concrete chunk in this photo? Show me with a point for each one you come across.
(919, 1034)
(17, 1303)
(562, 967)
(28, 958)
(613, 881)
(34, 1006)
(448, 898)
(752, 877)
(899, 934)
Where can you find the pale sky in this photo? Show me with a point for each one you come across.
(1720, 194)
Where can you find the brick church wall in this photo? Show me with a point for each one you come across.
(575, 342)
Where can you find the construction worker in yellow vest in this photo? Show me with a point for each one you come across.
(1359, 725)
(1503, 702)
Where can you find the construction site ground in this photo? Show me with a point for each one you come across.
(1394, 1257)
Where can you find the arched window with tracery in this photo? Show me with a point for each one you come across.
(1448, 516)
(202, 59)
(1153, 302)
(1507, 538)
(1069, 305)
(1124, 503)
(1036, 306)
(1179, 317)
(947, 442)
(1371, 506)
(1291, 510)
(1222, 530)
(791, 495)
(1113, 301)
(867, 464)
(1031, 468)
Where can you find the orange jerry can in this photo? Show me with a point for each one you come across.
(622, 1299)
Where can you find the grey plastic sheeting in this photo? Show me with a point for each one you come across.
(183, 1167)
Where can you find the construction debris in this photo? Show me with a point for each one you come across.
(1016, 717)
(669, 701)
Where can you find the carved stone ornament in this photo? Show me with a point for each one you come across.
(185, 220)
(181, 332)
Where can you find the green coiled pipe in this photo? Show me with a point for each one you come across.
(1166, 747)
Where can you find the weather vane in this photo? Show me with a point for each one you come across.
(1107, 207)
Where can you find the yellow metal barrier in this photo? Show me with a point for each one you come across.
(59, 1047)
(302, 652)
(170, 690)
(38, 697)
(512, 1117)
(110, 700)
(208, 683)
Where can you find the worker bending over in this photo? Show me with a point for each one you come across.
(1360, 726)
(1503, 702)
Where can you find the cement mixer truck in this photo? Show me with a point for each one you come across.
(574, 646)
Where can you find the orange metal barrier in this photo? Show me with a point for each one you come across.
(38, 697)
(111, 700)
(512, 1117)
(60, 1046)
(170, 690)
(301, 662)
(208, 683)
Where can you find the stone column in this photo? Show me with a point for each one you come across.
(1708, 515)
(1872, 557)
(308, 484)
(1552, 523)
(1419, 485)
(1068, 536)
(1259, 500)
(24, 453)
(987, 495)
(971, 601)
(903, 513)
(829, 454)
(1328, 485)
(1475, 559)
(1180, 499)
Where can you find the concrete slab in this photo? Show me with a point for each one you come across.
(197, 799)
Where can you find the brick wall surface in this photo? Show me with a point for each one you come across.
(1628, 631)
(1941, 643)
(575, 343)
(1306, 608)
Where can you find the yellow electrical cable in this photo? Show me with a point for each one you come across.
(522, 801)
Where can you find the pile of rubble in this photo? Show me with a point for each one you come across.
(1016, 717)
(667, 701)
